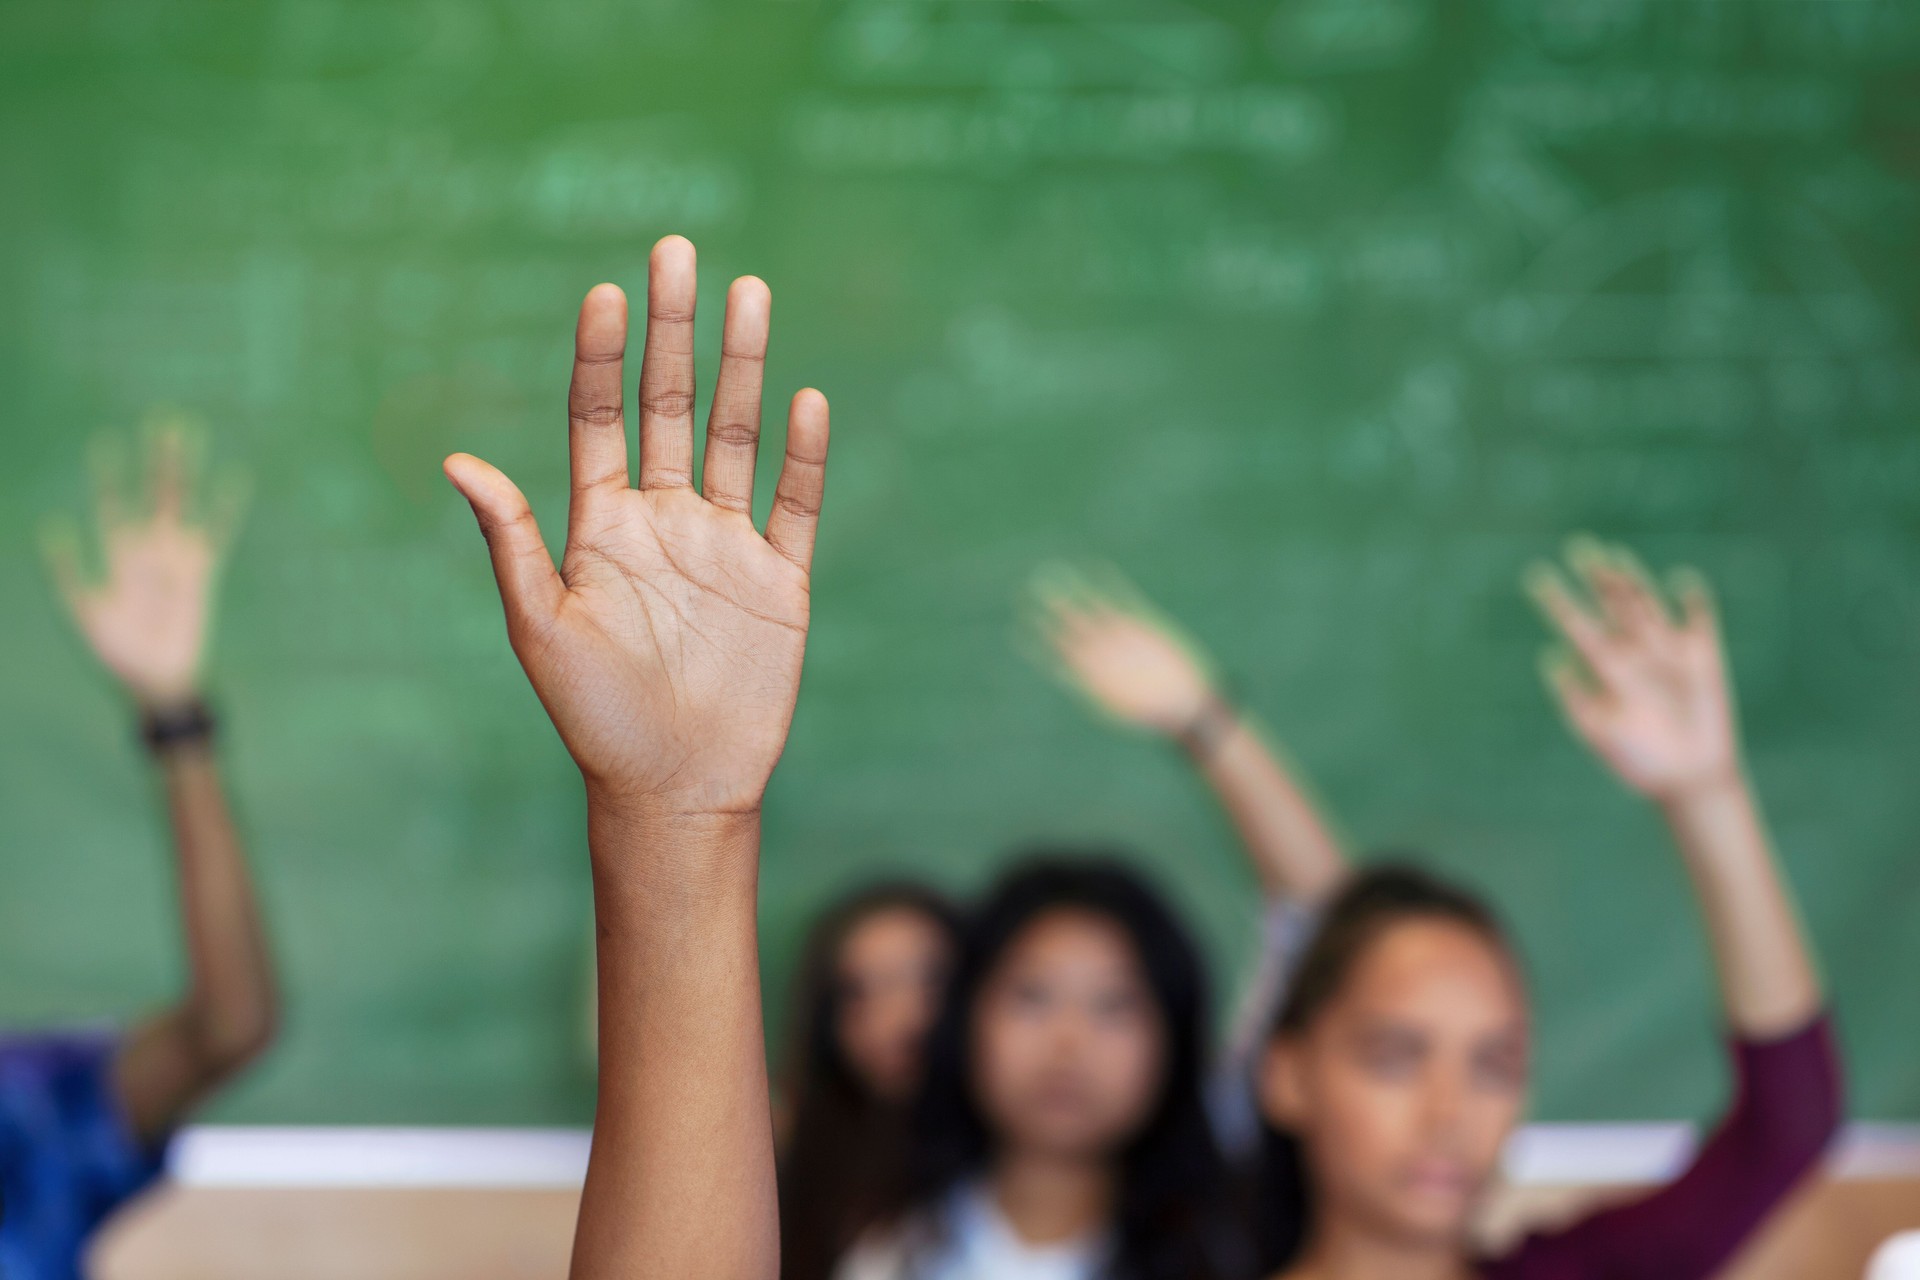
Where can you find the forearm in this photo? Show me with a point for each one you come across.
(681, 1178)
(1766, 973)
(230, 1009)
(232, 999)
(1292, 847)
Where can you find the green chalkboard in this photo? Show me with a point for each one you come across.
(1320, 317)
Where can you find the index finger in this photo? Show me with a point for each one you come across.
(596, 417)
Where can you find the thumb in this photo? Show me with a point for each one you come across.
(1571, 690)
(530, 586)
(60, 546)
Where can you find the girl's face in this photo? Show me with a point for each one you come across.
(1069, 1043)
(1403, 1089)
(891, 969)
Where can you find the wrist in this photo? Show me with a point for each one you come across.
(687, 809)
(636, 815)
(177, 725)
(1208, 726)
(1708, 791)
(649, 855)
(1716, 823)
(160, 697)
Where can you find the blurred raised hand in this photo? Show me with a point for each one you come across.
(1643, 683)
(162, 541)
(1646, 687)
(147, 614)
(667, 646)
(1104, 640)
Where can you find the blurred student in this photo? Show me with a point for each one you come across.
(1398, 1063)
(667, 649)
(868, 986)
(1139, 1188)
(1061, 1133)
(85, 1115)
(1137, 667)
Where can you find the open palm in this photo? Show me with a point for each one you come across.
(146, 616)
(1126, 660)
(1653, 700)
(667, 646)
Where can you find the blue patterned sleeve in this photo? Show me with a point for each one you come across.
(68, 1157)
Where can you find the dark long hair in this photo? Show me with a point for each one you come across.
(844, 1147)
(1172, 1219)
(1371, 903)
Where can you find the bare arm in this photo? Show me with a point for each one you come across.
(681, 1182)
(667, 649)
(1293, 849)
(147, 618)
(172, 1061)
(1651, 696)
(1767, 978)
(1112, 646)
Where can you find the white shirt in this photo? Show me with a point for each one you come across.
(1897, 1259)
(971, 1241)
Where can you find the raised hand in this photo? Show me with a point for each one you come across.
(147, 616)
(1109, 644)
(667, 646)
(1649, 690)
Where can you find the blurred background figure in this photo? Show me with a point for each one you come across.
(1062, 1132)
(85, 1115)
(864, 987)
(1399, 1059)
(866, 991)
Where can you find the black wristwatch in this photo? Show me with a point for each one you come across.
(183, 724)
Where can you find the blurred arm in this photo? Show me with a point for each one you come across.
(1111, 645)
(1767, 980)
(1287, 839)
(229, 1014)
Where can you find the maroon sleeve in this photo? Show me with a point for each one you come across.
(1785, 1109)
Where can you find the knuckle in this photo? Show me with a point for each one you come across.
(494, 525)
(674, 403)
(733, 434)
(598, 413)
(804, 505)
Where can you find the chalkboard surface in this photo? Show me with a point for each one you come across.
(1320, 317)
